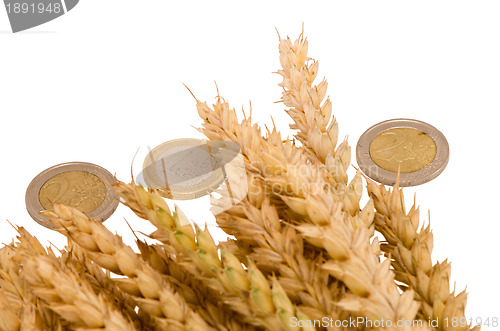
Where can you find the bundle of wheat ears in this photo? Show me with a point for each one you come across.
(305, 254)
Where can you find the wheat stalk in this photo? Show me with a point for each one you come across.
(152, 294)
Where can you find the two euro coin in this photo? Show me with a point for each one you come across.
(81, 185)
(416, 150)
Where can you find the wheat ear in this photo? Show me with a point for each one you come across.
(278, 249)
(75, 258)
(317, 128)
(11, 282)
(194, 290)
(246, 292)
(278, 162)
(34, 314)
(152, 294)
(70, 296)
(335, 226)
(409, 246)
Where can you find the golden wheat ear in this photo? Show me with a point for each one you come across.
(243, 292)
(152, 293)
(409, 247)
(317, 129)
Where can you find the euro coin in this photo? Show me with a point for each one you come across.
(416, 150)
(80, 185)
(187, 168)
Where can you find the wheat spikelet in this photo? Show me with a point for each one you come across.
(28, 317)
(10, 281)
(409, 245)
(152, 294)
(411, 256)
(9, 321)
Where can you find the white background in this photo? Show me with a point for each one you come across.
(106, 79)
